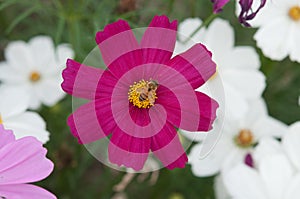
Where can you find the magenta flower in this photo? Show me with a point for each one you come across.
(247, 12)
(218, 5)
(22, 161)
(142, 95)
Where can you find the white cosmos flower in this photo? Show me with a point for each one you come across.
(237, 140)
(279, 29)
(276, 172)
(35, 67)
(238, 66)
(14, 116)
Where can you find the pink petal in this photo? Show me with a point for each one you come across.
(80, 80)
(24, 191)
(188, 115)
(106, 85)
(159, 39)
(139, 116)
(84, 123)
(195, 65)
(166, 146)
(127, 150)
(6, 136)
(115, 41)
(24, 161)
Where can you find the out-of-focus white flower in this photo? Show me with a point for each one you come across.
(237, 66)
(274, 178)
(14, 116)
(276, 171)
(279, 29)
(35, 67)
(238, 139)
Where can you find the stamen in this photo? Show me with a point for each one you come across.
(245, 138)
(294, 13)
(142, 94)
(35, 76)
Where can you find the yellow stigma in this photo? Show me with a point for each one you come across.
(244, 138)
(34, 76)
(294, 13)
(1, 121)
(141, 95)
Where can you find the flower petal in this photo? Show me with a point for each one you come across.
(166, 146)
(291, 144)
(42, 49)
(211, 164)
(194, 64)
(75, 82)
(159, 39)
(205, 114)
(24, 191)
(19, 56)
(119, 47)
(25, 154)
(293, 191)
(244, 182)
(276, 172)
(28, 124)
(6, 136)
(84, 124)
(127, 150)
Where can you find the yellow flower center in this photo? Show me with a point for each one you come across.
(34, 76)
(294, 13)
(1, 121)
(245, 138)
(142, 94)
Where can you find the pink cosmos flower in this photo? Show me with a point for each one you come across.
(22, 161)
(143, 95)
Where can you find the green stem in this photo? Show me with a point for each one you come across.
(205, 23)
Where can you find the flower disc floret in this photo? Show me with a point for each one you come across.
(294, 13)
(141, 95)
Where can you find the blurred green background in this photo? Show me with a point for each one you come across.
(77, 174)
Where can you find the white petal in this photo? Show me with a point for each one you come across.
(10, 75)
(219, 38)
(236, 105)
(19, 56)
(250, 84)
(291, 144)
(193, 136)
(295, 42)
(235, 157)
(257, 110)
(272, 38)
(276, 173)
(13, 101)
(220, 190)
(28, 124)
(293, 191)
(211, 164)
(243, 182)
(267, 126)
(266, 147)
(64, 52)
(241, 58)
(187, 27)
(42, 49)
(49, 91)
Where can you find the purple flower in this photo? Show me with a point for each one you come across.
(247, 12)
(218, 5)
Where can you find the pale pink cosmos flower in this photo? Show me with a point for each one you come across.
(143, 95)
(22, 161)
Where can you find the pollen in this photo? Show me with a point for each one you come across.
(34, 76)
(1, 121)
(294, 13)
(245, 138)
(141, 94)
